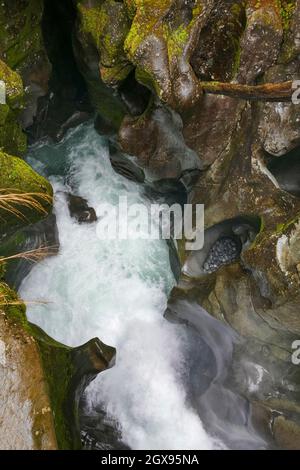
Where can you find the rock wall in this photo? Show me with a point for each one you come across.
(232, 145)
(42, 380)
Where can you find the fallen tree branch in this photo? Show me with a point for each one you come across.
(267, 92)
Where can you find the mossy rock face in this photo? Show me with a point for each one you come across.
(17, 176)
(52, 379)
(98, 46)
(162, 37)
(106, 26)
(12, 139)
(25, 408)
(22, 49)
(222, 32)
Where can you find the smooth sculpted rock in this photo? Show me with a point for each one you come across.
(22, 48)
(32, 237)
(26, 413)
(156, 140)
(161, 40)
(100, 32)
(42, 381)
(217, 53)
(80, 210)
(223, 244)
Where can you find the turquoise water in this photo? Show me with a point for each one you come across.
(116, 290)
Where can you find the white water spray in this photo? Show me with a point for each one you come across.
(116, 290)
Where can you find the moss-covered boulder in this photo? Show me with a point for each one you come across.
(17, 178)
(98, 45)
(160, 43)
(12, 139)
(25, 408)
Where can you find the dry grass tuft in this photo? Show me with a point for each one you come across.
(33, 255)
(12, 200)
(6, 302)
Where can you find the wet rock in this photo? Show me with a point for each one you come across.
(124, 166)
(77, 118)
(286, 170)
(99, 432)
(225, 251)
(216, 56)
(135, 96)
(209, 129)
(18, 177)
(161, 40)
(223, 244)
(66, 104)
(43, 381)
(98, 47)
(260, 44)
(22, 19)
(80, 366)
(40, 234)
(26, 412)
(279, 123)
(80, 210)
(12, 139)
(157, 142)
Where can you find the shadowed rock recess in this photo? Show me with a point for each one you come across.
(199, 93)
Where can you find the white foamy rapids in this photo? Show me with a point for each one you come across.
(116, 290)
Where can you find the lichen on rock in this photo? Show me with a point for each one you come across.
(12, 139)
(22, 49)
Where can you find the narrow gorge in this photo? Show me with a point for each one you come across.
(138, 343)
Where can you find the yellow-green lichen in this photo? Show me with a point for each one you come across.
(21, 39)
(12, 138)
(106, 27)
(287, 9)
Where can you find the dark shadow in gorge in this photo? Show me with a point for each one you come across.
(286, 171)
(67, 103)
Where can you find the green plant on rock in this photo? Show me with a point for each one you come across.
(106, 26)
(12, 138)
(287, 9)
(25, 196)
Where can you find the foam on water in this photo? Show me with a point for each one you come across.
(116, 290)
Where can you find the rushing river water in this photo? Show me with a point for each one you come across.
(116, 290)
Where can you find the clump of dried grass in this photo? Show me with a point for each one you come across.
(7, 302)
(13, 200)
(34, 256)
